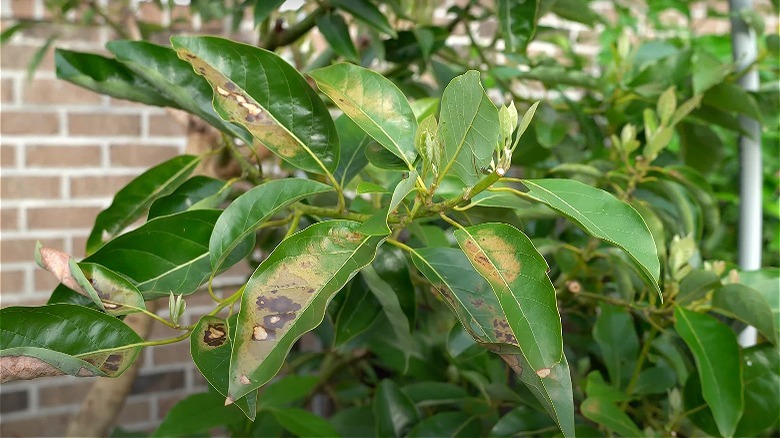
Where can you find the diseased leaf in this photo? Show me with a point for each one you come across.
(110, 291)
(136, 197)
(604, 411)
(602, 216)
(106, 76)
(715, 349)
(64, 339)
(377, 224)
(287, 296)
(175, 80)
(468, 128)
(374, 103)
(169, 254)
(479, 311)
(274, 102)
(210, 346)
(240, 220)
(507, 259)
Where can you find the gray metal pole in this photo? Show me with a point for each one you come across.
(750, 180)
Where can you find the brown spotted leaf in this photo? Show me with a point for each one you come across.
(71, 339)
(507, 259)
(287, 296)
(478, 309)
(110, 291)
(210, 346)
(260, 91)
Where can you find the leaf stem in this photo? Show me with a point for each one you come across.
(330, 212)
(451, 221)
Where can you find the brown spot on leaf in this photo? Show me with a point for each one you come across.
(478, 302)
(112, 363)
(26, 368)
(56, 262)
(275, 322)
(514, 362)
(542, 373)
(280, 304)
(111, 306)
(230, 86)
(244, 380)
(215, 335)
(259, 333)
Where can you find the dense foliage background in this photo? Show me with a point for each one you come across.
(651, 118)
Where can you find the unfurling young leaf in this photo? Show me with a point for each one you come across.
(427, 144)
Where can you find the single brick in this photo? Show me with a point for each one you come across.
(61, 395)
(29, 123)
(11, 282)
(165, 126)
(23, 250)
(98, 186)
(30, 187)
(13, 401)
(63, 156)
(158, 382)
(7, 156)
(135, 155)
(7, 92)
(56, 91)
(50, 425)
(61, 217)
(104, 124)
(9, 219)
(136, 411)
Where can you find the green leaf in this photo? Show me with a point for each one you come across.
(164, 255)
(355, 421)
(211, 413)
(715, 349)
(236, 227)
(392, 308)
(106, 76)
(210, 345)
(286, 390)
(468, 128)
(602, 216)
(767, 282)
(366, 12)
(596, 387)
(655, 380)
(64, 339)
(336, 32)
(392, 267)
(519, 422)
(430, 393)
(728, 96)
(136, 197)
(747, 305)
(616, 337)
(517, 20)
(507, 259)
(762, 390)
(10, 31)
(303, 423)
(373, 103)
(38, 55)
(478, 309)
(364, 187)
(275, 103)
(175, 80)
(263, 9)
(604, 411)
(448, 424)
(287, 296)
(377, 224)
(381, 158)
(353, 142)
(200, 191)
(395, 414)
(708, 71)
(356, 313)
